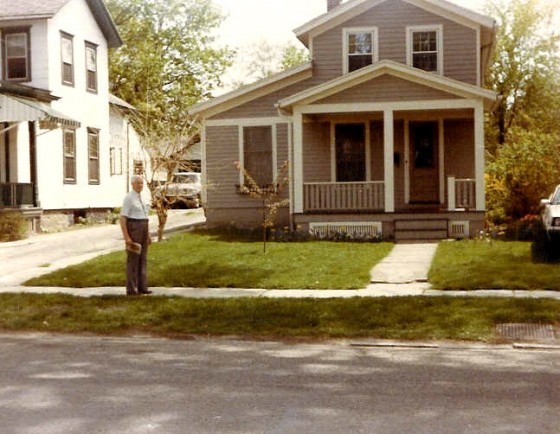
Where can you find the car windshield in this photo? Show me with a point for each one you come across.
(556, 197)
(186, 178)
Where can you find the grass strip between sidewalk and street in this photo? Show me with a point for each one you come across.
(407, 318)
(206, 260)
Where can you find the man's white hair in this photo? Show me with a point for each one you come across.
(134, 178)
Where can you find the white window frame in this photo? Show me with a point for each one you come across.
(67, 57)
(438, 28)
(241, 147)
(91, 66)
(345, 52)
(6, 35)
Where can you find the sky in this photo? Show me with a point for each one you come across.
(251, 21)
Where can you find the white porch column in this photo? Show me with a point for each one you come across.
(298, 162)
(479, 156)
(388, 152)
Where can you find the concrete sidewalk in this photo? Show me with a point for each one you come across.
(373, 290)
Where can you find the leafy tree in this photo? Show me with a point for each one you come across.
(525, 68)
(293, 56)
(523, 135)
(524, 171)
(168, 61)
(264, 59)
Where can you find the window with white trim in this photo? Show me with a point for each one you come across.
(69, 139)
(360, 48)
(67, 58)
(16, 54)
(93, 155)
(91, 67)
(425, 48)
(257, 154)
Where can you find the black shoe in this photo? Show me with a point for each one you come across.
(145, 292)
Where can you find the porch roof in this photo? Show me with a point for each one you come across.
(387, 67)
(18, 109)
(253, 91)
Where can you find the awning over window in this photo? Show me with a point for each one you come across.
(17, 109)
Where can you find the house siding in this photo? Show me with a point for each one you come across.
(391, 19)
(316, 152)
(224, 206)
(459, 148)
(387, 88)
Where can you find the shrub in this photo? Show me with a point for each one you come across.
(13, 227)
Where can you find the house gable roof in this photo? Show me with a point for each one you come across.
(353, 8)
(418, 76)
(45, 9)
(252, 91)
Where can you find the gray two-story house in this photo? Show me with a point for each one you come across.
(383, 129)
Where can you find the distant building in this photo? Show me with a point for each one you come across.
(63, 153)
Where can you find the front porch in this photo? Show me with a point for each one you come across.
(360, 197)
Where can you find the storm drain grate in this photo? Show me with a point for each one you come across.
(526, 332)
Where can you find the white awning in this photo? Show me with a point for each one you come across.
(18, 109)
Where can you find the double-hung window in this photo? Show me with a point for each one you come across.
(69, 139)
(425, 48)
(91, 67)
(93, 155)
(360, 48)
(16, 54)
(67, 58)
(258, 155)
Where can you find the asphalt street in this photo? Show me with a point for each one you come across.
(60, 384)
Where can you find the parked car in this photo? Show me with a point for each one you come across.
(546, 247)
(184, 189)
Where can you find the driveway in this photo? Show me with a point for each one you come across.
(41, 254)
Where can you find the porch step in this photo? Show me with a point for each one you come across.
(420, 230)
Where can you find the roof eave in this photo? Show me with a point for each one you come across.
(387, 67)
(203, 107)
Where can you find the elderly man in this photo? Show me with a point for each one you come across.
(134, 226)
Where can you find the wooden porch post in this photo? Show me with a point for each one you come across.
(33, 162)
(479, 156)
(298, 162)
(388, 151)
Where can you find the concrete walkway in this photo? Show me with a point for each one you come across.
(407, 263)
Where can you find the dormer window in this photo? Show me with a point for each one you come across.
(425, 48)
(15, 54)
(360, 48)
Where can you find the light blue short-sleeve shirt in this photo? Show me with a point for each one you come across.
(133, 207)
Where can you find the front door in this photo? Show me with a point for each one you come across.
(424, 167)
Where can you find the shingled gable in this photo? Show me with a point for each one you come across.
(387, 67)
(44, 9)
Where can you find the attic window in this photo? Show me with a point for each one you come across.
(360, 48)
(425, 48)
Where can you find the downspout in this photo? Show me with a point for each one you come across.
(127, 156)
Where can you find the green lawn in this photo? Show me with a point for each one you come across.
(205, 260)
(469, 265)
(426, 318)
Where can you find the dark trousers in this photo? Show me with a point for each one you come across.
(136, 264)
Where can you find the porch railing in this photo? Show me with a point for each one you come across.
(344, 196)
(461, 193)
(15, 195)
